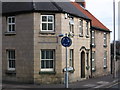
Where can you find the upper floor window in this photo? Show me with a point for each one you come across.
(47, 60)
(81, 27)
(47, 22)
(11, 24)
(105, 39)
(11, 59)
(71, 24)
(87, 28)
(93, 38)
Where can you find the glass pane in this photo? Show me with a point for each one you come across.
(13, 27)
(42, 64)
(44, 18)
(9, 20)
(50, 26)
(47, 55)
(13, 20)
(10, 63)
(13, 63)
(9, 27)
(47, 64)
(50, 18)
(51, 54)
(44, 26)
(51, 64)
(42, 55)
(12, 54)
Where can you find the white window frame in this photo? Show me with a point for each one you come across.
(48, 23)
(93, 60)
(71, 25)
(47, 69)
(80, 27)
(71, 58)
(105, 59)
(9, 58)
(10, 24)
(105, 39)
(87, 28)
(93, 38)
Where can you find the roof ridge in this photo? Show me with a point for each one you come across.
(97, 19)
(91, 16)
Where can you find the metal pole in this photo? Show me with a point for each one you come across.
(66, 74)
(114, 74)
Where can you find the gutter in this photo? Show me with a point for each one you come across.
(100, 29)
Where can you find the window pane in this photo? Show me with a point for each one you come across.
(10, 63)
(9, 20)
(47, 64)
(13, 63)
(50, 26)
(13, 20)
(47, 55)
(9, 27)
(51, 54)
(50, 18)
(44, 18)
(51, 64)
(12, 54)
(44, 26)
(42, 64)
(42, 55)
(13, 27)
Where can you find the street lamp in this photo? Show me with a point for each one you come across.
(115, 63)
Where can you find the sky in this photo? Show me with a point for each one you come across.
(103, 11)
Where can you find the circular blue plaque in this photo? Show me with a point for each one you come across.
(66, 41)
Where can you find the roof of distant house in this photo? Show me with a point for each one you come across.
(96, 24)
(63, 7)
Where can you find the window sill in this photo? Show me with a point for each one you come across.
(93, 70)
(93, 45)
(49, 73)
(46, 32)
(87, 36)
(105, 46)
(104, 67)
(10, 72)
(10, 33)
(80, 35)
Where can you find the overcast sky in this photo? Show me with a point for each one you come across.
(103, 10)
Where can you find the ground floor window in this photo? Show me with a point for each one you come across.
(11, 59)
(105, 59)
(71, 58)
(47, 60)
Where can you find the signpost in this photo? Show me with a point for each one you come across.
(66, 42)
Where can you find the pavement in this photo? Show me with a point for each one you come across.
(92, 83)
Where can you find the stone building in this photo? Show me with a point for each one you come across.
(100, 43)
(32, 50)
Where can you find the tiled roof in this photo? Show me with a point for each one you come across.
(63, 7)
(95, 22)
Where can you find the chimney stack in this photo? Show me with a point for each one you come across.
(81, 2)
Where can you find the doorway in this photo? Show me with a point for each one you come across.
(82, 64)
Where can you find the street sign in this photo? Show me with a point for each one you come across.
(66, 41)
